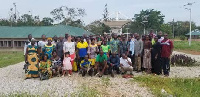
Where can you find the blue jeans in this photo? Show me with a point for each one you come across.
(165, 66)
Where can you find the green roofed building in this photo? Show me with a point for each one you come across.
(15, 37)
(195, 34)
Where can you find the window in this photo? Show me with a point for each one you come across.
(5, 43)
(19, 43)
(9, 43)
(1, 43)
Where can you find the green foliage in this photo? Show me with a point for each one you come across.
(182, 27)
(46, 21)
(166, 28)
(10, 58)
(69, 16)
(164, 87)
(86, 91)
(154, 19)
(184, 45)
(97, 28)
(182, 37)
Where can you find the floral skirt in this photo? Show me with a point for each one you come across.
(147, 59)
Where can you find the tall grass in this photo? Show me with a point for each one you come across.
(183, 45)
(10, 57)
(177, 87)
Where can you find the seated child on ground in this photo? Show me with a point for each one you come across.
(86, 66)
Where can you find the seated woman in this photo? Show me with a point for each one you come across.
(86, 66)
(56, 64)
(45, 68)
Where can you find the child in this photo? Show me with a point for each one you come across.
(86, 66)
(67, 64)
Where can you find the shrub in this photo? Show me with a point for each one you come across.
(182, 37)
(182, 60)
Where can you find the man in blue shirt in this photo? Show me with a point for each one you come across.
(131, 55)
(113, 63)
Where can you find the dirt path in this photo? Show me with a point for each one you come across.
(12, 81)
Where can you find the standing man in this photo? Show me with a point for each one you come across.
(160, 37)
(166, 52)
(66, 38)
(59, 48)
(82, 51)
(131, 50)
(123, 46)
(41, 44)
(28, 42)
(55, 40)
(114, 44)
(138, 47)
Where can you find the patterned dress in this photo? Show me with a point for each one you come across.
(56, 63)
(46, 67)
(32, 59)
(48, 50)
(92, 49)
(114, 46)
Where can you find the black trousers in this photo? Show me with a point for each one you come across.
(156, 66)
(132, 57)
(165, 65)
(112, 68)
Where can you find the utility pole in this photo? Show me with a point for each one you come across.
(173, 28)
(190, 9)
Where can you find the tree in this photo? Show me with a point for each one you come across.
(97, 27)
(167, 28)
(66, 15)
(105, 14)
(47, 21)
(149, 18)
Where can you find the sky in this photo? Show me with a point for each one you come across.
(172, 9)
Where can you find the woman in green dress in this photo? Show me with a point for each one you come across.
(32, 60)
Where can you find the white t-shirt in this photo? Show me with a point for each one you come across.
(161, 39)
(69, 46)
(124, 62)
(42, 43)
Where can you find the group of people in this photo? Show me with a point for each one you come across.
(98, 55)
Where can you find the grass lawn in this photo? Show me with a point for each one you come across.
(163, 87)
(10, 57)
(183, 45)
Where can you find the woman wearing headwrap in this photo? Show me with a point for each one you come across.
(48, 48)
(31, 59)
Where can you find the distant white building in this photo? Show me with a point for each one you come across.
(117, 23)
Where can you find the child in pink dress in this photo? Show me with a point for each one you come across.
(67, 64)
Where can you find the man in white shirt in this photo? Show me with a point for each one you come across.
(125, 64)
(160, 37)
(28, 42)
(43, 42)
